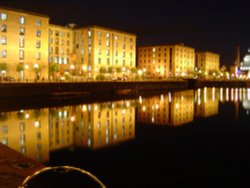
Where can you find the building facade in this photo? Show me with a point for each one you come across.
(166, 61)
(208, 64)
(105, 51)
(24, 44)
(61, 51)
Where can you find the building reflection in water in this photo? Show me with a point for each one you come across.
(206, 102)
(26, 131)
(174, 109)
(35, 133)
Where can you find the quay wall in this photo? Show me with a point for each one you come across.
(14, 90)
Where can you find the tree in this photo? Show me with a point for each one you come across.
(53, 68)
(102, 70)
(20, 67)
(3, 66)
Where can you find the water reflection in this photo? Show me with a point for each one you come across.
(35, 133)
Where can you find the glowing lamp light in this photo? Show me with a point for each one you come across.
(26, 66)
(36, 66)
(72, 66)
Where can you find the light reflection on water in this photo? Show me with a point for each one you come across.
(37, 132)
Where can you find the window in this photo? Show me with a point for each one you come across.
(62, 34)
(108, 61)
(38, 33)
(21, 20)
(4, 53)
(99, 33)
(107, 35)
(21, 42)
(108, 52)
(99, 42)
(21, 54)
(4, 40)
(57, 33)
(38, 44)
(107, 43)
(38, 55)
(21, 31)
(99, 61)
(4, 16)
(4, 28)
(116, 37)
(123, 46)
(68, 34)
(38, 22)
(99, 51)
(89, 33)
(4, 129)
(68, 43)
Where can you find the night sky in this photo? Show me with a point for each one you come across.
(217, 26)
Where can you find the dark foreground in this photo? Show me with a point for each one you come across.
(211, 152)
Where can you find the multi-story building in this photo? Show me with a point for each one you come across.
(208, 63)
(166, 61)
(98, 48)
(31, 48)
(24, 44)
(61, 48)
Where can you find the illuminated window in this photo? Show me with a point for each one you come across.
(89, 33)
(38, 22)
(38, 44)
(99, 51)
(108, 52)
(107, 35)
(4, 28)
(62, 34)
(21, 42)
(4, 129)
(38, 33)
(4, 16)
(22, 126)
(99, 33)
(21, 31)
(123, 46)
(107, 43)
(5, 141)
(21, 20)
(22, 139)
(21, 54)
(124, 39)
(123, 54)
(116, 37)
(38, 55)
(4, 40)
(4, 53)
(62, 42)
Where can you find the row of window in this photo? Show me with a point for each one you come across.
(124, 39)
(116, 62)
(21, 54)
(59, 34)
(22, 19)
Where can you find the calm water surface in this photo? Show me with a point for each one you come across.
(193, 137)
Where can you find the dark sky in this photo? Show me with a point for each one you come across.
(216, 26)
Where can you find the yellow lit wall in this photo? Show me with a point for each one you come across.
(154, 110)
(182, 107)
(26, 43)
(208, 62)
(61, 127)
(154, 61)
(207, 103)
(105, 124)
(61, 50)
(26, 132)
(98, 47)
(167, 61)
